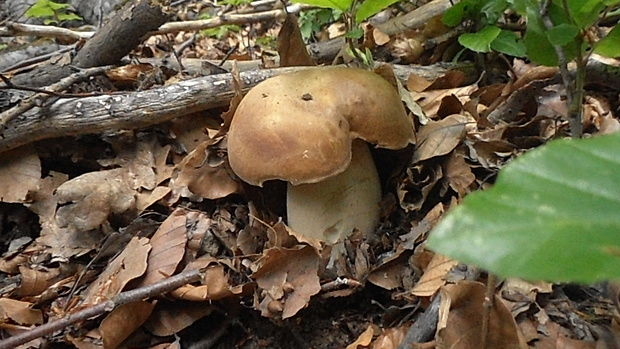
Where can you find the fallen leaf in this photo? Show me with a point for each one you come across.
(20, 172)
(433, 278)
(123, 321)
(168, 247)
(289, 277)
(20, 312)
(127, 266)
(169, 317)
(88, 200)
(439, 137)
(291, 47)
(364, 339)
(461, 315)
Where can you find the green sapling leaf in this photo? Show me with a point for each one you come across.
(480, 41)
(552, 214)
(370, 8)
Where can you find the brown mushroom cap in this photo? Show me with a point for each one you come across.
(299, 127)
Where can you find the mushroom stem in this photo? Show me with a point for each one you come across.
(329, 210)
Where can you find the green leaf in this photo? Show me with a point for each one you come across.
(342, 5)
(551, 215)
(562, 34)
(480, 41)
(454, 15)
(371, 7)
(40, 9)
(585, 12)
(537, 45)
(493, 10)
(509, 43)
(609, 46)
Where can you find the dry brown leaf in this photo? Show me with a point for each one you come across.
(20, 172)
(439, 137)
(145, 199)
(35, 281)
(88, 200)
(461, 313)
(288, 277)
(458, 175)
(291, 47)
(168, 247)
(390, 338)
(19, 312)
(203, 174)
(364, 339)
(390, 274)
(123, 321)
(430, 101)
(421, 179)
(127, 266)
(169, 318)
(433, 277)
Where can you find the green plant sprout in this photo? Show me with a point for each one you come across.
(51, 12)
(312, 21)
(555, 35)
(552, 213)
(354, 13)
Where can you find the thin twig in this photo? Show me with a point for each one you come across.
(158, 288)
(573, 95)
(43, 95)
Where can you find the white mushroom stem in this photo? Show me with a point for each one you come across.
(329, 210)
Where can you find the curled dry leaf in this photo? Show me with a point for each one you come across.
(127, 266)
(123, 321)
(20, 172)
(19, 312)
(203, 174)
(88, 200)
(291, 46)
(364, 339)
(288, 278)
(461, 314)
(34, 281)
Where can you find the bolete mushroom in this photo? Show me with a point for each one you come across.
(311, 128)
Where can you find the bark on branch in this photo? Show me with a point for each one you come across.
(134, 110)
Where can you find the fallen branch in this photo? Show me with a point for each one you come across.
(134, 110)
(158, 288)
(20, 29)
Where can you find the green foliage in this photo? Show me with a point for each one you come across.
(266, 41)
(311, 22)
(366, 8)
(51, 12)
(370, 8)
(539, 43)
(220, 32)
(609, 46)
(236, 3)
(552, 215)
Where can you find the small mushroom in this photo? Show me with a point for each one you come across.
(311, 129)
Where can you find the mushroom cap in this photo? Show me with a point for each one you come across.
(299, 127)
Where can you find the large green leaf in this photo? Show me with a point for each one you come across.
(553, 214)
(371, 7)
(608, 46)
(480, 41)
(342, 5)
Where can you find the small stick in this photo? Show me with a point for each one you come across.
(160, 287)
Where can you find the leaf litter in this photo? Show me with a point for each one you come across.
(139, 207)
